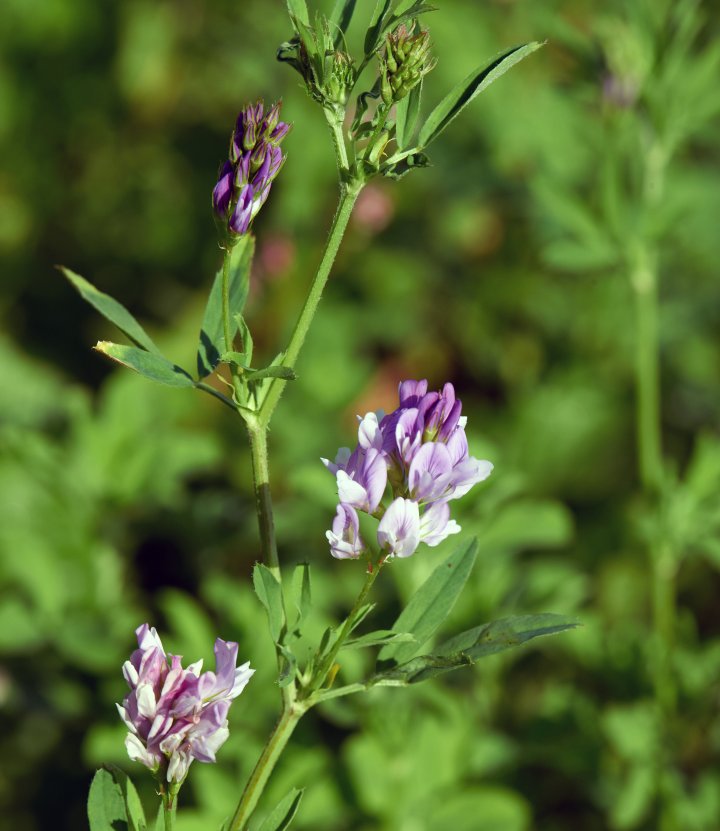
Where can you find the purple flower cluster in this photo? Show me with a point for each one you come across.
(255, 160)
(176, 715)
(419, 453)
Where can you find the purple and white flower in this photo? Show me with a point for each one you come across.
(245, 179)
(420, 451)
(176, 714)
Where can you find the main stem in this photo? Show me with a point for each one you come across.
(644, 281)
(264, 767)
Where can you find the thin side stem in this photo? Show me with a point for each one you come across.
(329, 659)
(169, 803)
(264, 767)
(349, 192)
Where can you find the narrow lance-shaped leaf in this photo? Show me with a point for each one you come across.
(111, 310)
(212, 331)
(302, 591)
(340, 18)
(456, 100)
(377, 22)
(407, 113)
(151, 366)
(106, 804)
(269, 591)
(432, 602)
(381, 637)
(466, 648)
(284, 813)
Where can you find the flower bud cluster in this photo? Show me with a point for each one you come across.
(419, 455)
(175, 715)
(407, 59)
(254, 161)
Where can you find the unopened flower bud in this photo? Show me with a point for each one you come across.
(406, 60)
(254, 161)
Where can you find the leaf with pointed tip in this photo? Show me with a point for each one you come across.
(212, 332)
(106, 804)
(407, 115)
(432, 602)
(151, 366)
(111, 310)
(466, 648)
(267, 588)
(379, 638)
(457, 99)
(340, 18)
(284, 813)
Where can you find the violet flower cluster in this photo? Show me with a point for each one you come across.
(419, 455)
(255, 160)
(175, 715)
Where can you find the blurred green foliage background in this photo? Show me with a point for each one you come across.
(503, 268)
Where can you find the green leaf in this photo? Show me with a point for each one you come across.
(377, 23)
(298, 11)
(133, 806)
(340, 18)
(287, 670)
(406, 116)
(236, 358)
(159, 819)
(504, 634)
(147, 364)
(466, 648)
(106, 804)
(281, 817)
(381, 637)
(245, 338)
(456, 100)
(111, 310)
(273, 371)
(303, 594)
(212, 337)
(267, 588)
(432, 602)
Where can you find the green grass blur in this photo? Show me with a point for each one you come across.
(502, 268)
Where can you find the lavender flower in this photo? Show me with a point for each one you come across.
(255, 160)
(420, 451)
(175, 715)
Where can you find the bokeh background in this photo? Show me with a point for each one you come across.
(503, 268)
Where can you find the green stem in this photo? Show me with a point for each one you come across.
(647, 372)
(329, 660)
(349, 191)
(201, 385)
(169, 802)
(264, 767)
(257, 434)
